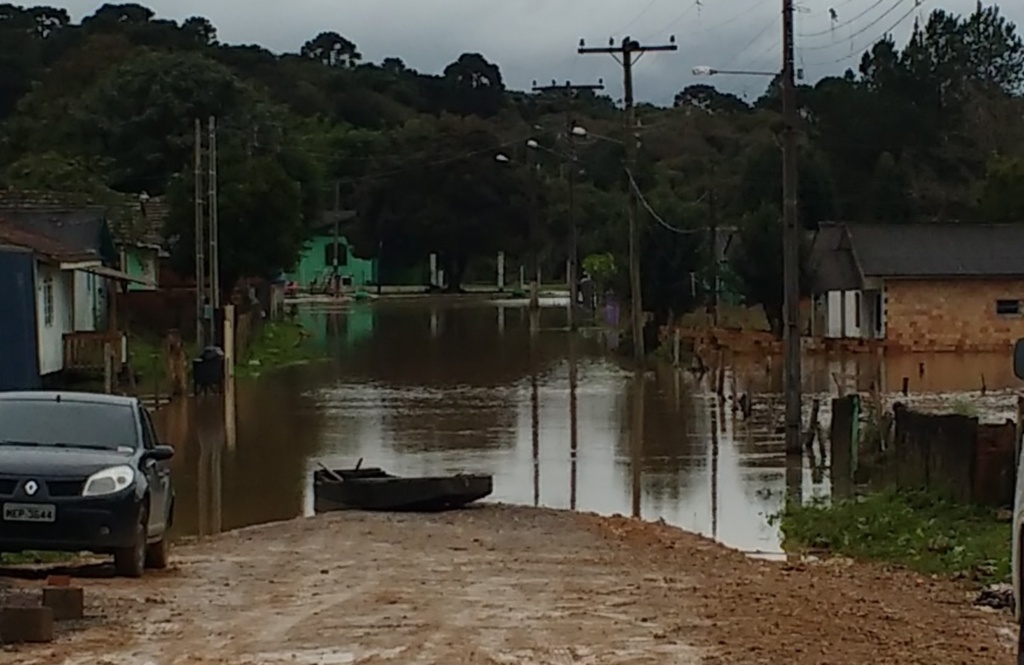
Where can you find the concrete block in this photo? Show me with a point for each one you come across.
(26, 624)
(67, 603)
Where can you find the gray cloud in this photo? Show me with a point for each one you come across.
(537, 39)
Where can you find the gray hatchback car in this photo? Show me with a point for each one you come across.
(84, 472)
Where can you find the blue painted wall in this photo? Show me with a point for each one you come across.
(19, 356)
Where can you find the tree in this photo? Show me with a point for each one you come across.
(331, 50)
(111, 15)
(200, 30)
(475, 86)
(442, 190)
(757, 262)
(141, 115)
(1002, 191)
(708, 99)
(260, 216)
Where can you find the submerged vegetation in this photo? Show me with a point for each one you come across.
(276, 345)
(918, 530)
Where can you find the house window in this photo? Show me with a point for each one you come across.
(329, 254)
(1008, 307)
(856, 309)
(48, 301)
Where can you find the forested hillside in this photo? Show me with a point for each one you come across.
(928, 130)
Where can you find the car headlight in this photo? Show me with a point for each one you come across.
(109, 481)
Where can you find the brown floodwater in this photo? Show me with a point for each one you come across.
(435, 386)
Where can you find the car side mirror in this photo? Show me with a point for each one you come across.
(160, 453)
(1018, 359)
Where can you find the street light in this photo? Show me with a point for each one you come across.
(704, 70)
(533, 145)
(502, 158)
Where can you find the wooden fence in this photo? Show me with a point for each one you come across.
(951, 454)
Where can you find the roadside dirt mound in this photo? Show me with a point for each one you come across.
(832, 611)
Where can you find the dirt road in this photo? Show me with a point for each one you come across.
(503, 585)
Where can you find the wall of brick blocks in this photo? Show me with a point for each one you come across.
(952, 314)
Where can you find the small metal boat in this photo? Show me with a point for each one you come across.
(373, 489)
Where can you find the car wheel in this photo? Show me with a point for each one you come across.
(157, 555)
(131, 561)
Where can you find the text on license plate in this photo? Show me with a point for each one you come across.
(29, 512)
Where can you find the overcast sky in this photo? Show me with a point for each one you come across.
(537, 39)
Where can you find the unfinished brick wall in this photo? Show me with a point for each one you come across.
(952, 314)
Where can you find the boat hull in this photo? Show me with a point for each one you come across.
(372, 489)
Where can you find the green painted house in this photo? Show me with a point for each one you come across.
(316, 264)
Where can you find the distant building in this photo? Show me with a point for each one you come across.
(920, 286)
(315, 267)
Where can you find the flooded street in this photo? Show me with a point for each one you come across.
(559, 423)
(428, 387)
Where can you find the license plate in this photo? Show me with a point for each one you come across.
(29, 512)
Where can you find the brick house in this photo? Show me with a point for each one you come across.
(919, 287)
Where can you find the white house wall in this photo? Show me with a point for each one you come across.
(842, 320)
(51, 329)
(86, 295)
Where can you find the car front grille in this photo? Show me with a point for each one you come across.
(55, 488)
(65, 488)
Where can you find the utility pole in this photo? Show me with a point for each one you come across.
(569, 90)
(200, 254)
(214, 221)
(334, 253)
(713, 244)
(627, 54)
(791, 239)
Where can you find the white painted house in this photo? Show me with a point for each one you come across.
(72, 289)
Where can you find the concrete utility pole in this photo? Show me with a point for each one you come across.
(200, 235)
(214, 223)
(336, 276)
(713, 244)
(627, 54)
(569, 90)
(791, 238)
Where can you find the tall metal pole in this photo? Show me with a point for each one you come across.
(626, 52)
(200, 235)
(791, 239)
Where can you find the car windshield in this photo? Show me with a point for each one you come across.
(71, 424)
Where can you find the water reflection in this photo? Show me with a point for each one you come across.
(435, 387)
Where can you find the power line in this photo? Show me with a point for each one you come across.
(636, 19)
(677, 20)
(753, 41)
(917, 3)
(861, 51)
(655, 215)
(835, 27)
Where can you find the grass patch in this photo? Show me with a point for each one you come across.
(276, 345)
(35, 558)
(917, 530)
